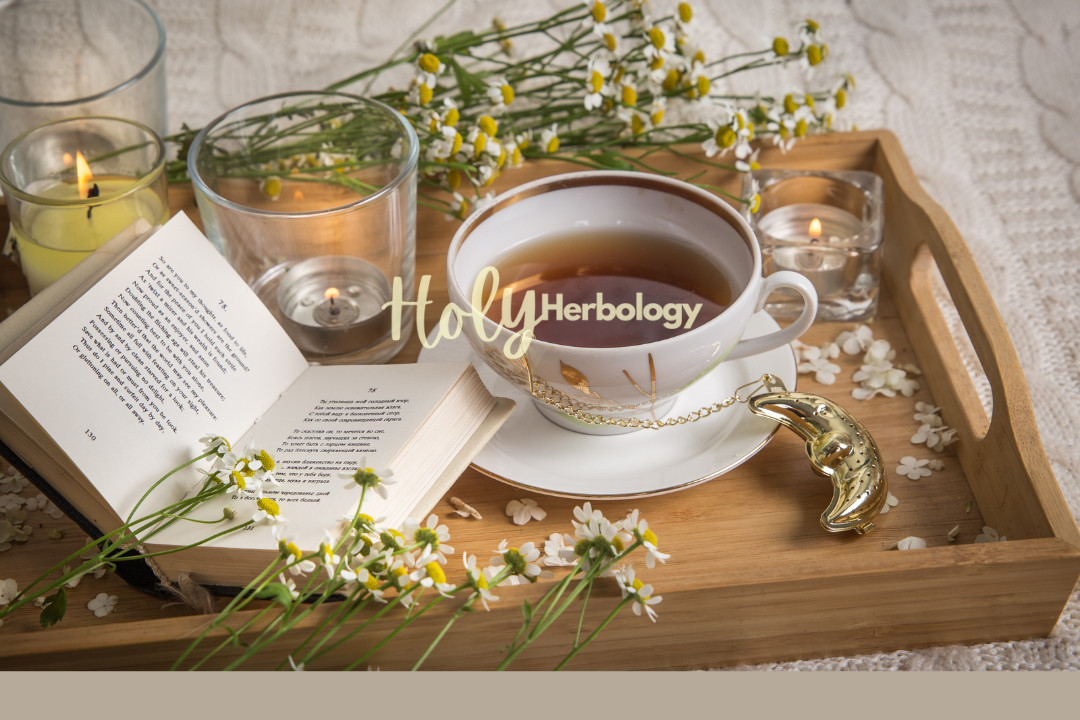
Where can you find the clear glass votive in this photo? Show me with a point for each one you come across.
(72, 185)
(63, 58)
(827, 226)
(311, 197)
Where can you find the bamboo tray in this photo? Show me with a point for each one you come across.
(753, 577)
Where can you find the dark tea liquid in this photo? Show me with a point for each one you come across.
(619, 265)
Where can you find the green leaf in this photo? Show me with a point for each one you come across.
(53, 608)
(276, 592)
(462, 38)
(610, 160)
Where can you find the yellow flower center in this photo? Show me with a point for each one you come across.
(699, 56)
(617, 544)
(637, 125)
(270, 507)
(434, 124)
(455, 146)
(238, 479)
(425, 94)
(553, 145)
(629, 95)
(480, 143)
(435, 572)
(703, 85)
(293, 550)
(755, 165)
(780, 46)
(516, 157)
(502, 156)
(800, 128)
(813, 55)
(789, 103)
(508, 94)
(372, 582)
(268, 463)
(657, 116)
(812, 26)
(596, 81)
(672, 80)
(453, 179)
(809, 101)
(481, 581)
(656, 63)
(524, 143)
(599, 11)
(650, 536)
(488, 125)
(429, 63)
(686, 13)
(272, 187)
(755, 202)
(841, 98)
(657, 37)
(783, 132)
(610, 42)
(725, 137)
(452, 117)
(637, 584)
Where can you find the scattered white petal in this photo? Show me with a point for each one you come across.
(953, 533)
(936, 465)
(912, 468)
(910, 543)
(464, 509)
(989, 535)
(891, 501)
(525, 510)
(857, 341)
(102, 605)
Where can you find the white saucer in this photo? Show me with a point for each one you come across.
(533, 453)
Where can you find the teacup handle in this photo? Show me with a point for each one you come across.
(781, 279)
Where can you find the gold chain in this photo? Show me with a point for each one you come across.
(540, 390)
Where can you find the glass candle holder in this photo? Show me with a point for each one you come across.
(71, 185)
(312, 199)
(63, 58)
(827, 226)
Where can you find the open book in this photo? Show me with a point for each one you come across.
(114, 388)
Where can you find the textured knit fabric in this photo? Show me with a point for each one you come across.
(983, 94)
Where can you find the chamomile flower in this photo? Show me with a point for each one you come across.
(748, 163)
(291, 553)
(289, 585)
(657, 110)
(520, 560)
(642, 594)
(661, 43)
(478, 580)
(597, 14)
(428, 69)
(723, 138)
(269, 511)
(549, 139)
(360, 576)
(640, 529)
(500, 93)
(431, 535)
(330, 559)
(554, 548)
(596, 84)
(215, 444)
(370, 479)
(585, 513)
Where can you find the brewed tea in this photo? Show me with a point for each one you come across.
(611, 288)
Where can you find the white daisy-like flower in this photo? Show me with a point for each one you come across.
(480, 582)
(429, 573)
(290, 585)
(431, 534)
(215, 443)
(585, 513)
(913, 468)
(289, 551)
(500, 94)
(639, 527)
(597, 14)
(102, 605)
(269, 511)
(524, 510)
(643, 596)
(746, 163)
(9, 590)
(990, 535)
(491, 571)
(815, 362)
(661, 43)
(723, 138)
(369, 478)
(596, 85)
(428, 69)
(891, 501)
(553, 549)
(522, 561)
(330, 559)
(549, 139)
(910, 543)
(856, 341)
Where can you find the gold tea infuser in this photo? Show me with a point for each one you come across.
(837, 444)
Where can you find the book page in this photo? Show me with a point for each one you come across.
(329, 421)
(172, 344)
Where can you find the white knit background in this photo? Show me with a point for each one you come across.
(984, 95)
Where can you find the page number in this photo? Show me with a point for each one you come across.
(91, 435)
(371, 390)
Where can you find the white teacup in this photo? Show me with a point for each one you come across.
(598, 380)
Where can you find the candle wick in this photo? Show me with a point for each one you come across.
(334, 309)
(94, 192)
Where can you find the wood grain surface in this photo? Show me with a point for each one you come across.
(753, 577)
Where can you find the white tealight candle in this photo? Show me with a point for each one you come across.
(820, 238)
(332, 305)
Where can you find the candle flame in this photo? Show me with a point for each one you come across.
(332, 293)
(815, 228)
(68, 159)
(298, 196)
(85, 177)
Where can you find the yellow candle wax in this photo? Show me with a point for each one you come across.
(54, 239)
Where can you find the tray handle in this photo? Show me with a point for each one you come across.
(1017, 492)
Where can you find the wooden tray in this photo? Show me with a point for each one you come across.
(753, 576)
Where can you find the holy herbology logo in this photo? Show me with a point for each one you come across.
(672, 315)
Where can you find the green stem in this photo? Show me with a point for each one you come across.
(592, 636)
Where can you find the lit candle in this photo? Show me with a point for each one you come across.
(815, 241)
(59, 229)
(332, 305)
